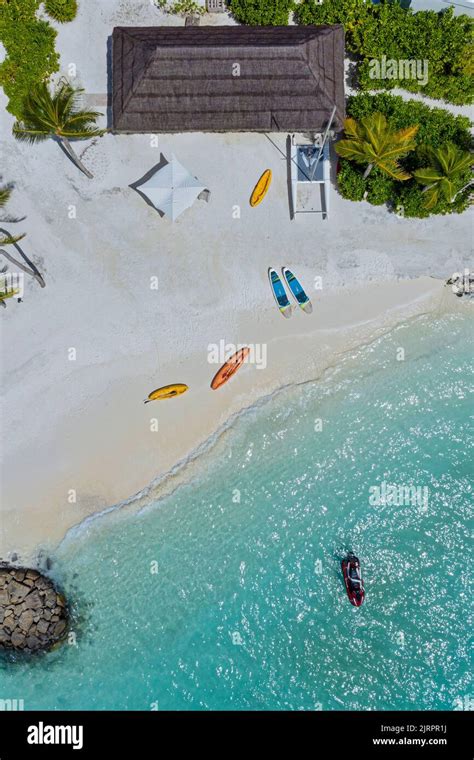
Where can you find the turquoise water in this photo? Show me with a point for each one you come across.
(228, 593)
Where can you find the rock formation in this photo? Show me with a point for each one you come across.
(33, 614)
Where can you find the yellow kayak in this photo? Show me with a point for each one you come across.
(167, 391)
(261, 188)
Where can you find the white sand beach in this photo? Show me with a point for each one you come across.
(81, 425)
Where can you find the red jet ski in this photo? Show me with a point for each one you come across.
(353, 579)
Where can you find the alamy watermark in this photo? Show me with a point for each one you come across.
(219, 353)
(398, 495)
(7, 705)
(464, 703)
(402, 68)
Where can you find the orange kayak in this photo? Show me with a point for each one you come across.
(229, 368)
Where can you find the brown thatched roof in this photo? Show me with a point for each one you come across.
(181, 79)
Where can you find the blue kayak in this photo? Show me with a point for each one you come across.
(297, 290)
(279, 293)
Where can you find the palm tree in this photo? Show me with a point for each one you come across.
(4, 294)
(444, 175)
(372, 141)
(6, 239)
(57, 115)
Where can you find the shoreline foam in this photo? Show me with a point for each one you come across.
(427, 297)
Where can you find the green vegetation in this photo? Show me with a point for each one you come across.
(5, 192)
(180, 7)
(372, 142)
(57, 115)
(386, 32)
(261, 12)
(448, 165)
(436, 125)
(437, 131)
(61, 10)
(7, 294)
(30, 54)
(353, 14)
(25, 264)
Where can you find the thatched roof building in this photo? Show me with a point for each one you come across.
(227, 78)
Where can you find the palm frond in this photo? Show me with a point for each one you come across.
(57, 113)
(462, 161)
(373, 142)
(351, 127)
(431, 198)
(67, 100)
(407, 135)
(8, 294)
(393, 170)
(375, 126)
(5, 193)
(24, 134)
(428, 175)
(351, 149)
(444, 157)
(447, 189)
(11, 239)
(86, 115)
(445, 175)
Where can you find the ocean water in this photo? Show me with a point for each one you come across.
(228, 593)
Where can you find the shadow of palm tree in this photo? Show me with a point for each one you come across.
(29, 267)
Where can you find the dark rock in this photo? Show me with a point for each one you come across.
(42, 626)
(59, 628)
(33, 643)
(50, 597)
(33, 614)
(9, 624)
(26, 620)
(17, 591)
(18, 638)
(33, 601)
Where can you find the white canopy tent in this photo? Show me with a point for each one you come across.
(172, 189)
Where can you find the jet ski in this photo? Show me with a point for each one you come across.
(353, 579)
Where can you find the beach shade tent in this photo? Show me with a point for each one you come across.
(170, 188)
(227, 78)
